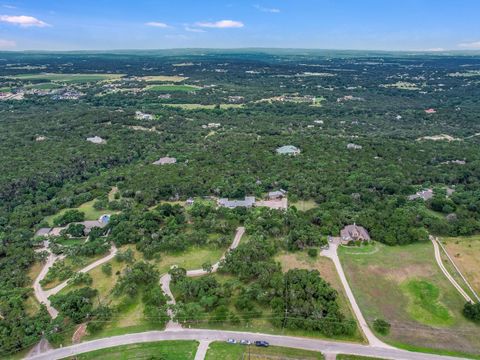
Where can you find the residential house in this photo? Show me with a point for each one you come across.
(248, 202)
(165, 160)
(96, 140)
(288, 150)
(354, 233)
(425, 194)
(279, 194)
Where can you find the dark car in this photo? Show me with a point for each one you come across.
(262, 343)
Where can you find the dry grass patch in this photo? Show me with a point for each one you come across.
(465, 252)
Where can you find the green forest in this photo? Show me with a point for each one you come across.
(49, 171)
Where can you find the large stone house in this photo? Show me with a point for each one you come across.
(354, 233)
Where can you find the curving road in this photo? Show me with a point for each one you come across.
(43, 295)
(332, 253)
(204, 336)
(438, 257)
(165, 279)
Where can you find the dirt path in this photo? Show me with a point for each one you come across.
(43, 295)
(445, 271)
(166, 278)
(331, 253)
(43, 346)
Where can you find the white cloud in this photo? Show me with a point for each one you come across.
(23, 21)
(221, 24)
(157, 24)
(6, 6)
(435, 49)
(195, 30)
(7, 44)
(269, 10)
(471, 45)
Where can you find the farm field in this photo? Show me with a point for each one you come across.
(172, 88)
(405, 286)
(67, 78)
(465, 252)
(170, 78)
(224, 351)
(165, 350)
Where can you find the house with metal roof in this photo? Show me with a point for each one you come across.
(248, 202)
(288, 150)
(165, 160)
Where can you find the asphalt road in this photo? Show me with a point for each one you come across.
(332, 253)
(219, 335)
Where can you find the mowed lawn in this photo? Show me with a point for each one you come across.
(465, 252)
(90, 212)
(165, 350)
(67, 78)
(224, 351)
(405, 286)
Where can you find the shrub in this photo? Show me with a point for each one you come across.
(381, 326)
(472, 311)
(312, 252)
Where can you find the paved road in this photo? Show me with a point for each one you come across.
(218, 335)
(40, 294)
(445, 271)
(331, 253)
(166, 278)
(202, 349)
(43, 295)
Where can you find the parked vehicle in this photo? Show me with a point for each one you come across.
(231, 341)
(245, 342)
(262, 343)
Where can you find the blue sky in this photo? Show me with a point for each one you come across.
(322, 24)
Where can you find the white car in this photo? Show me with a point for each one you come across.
(231, 341)
(245, 342)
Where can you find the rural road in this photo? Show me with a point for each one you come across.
(445, 271)
(165, 279)
(332, 253)
(43, 295)
(219, 335)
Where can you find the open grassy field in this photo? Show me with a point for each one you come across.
(172, 88)
(405, 286)
(165, 350)
(67, 78)
(87, 208)
(304, 205)
(169, 78)
(44, 86)
(224, 351)
(465, 252)
(203, 107)
(5, 89)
